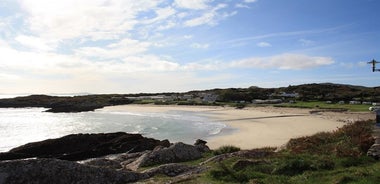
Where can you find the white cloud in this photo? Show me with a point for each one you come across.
(202, 66)
(206, 18)
(161, 14)
(3, 44)
(284, 61)
(200, 46)
(188, 36)
(192, 4)
(240, 5)
(250, 1)
(210, 17)
(124, 48)
(306, 42)
(264, 44)
(35, 43)
(95, 19)
(168, 25)
(71, 73)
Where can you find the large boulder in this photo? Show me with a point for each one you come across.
(178, 152)
(49, 171)
(84, 146)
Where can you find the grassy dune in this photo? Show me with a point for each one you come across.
(324, 105)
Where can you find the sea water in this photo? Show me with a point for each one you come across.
(19, 126)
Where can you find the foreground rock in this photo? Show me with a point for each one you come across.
(55, 171)
(179, 152)
(107, 169)
(84, 146)
(374, 150)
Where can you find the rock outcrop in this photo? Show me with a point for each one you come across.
(84, 146)
(47, 171)
(173, 169)
(65, 104)
(120, 158)
(178, 152)
(374, 150)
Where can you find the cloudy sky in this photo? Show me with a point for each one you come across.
(128, 46)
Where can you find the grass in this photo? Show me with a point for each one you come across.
(226, 149)
(324, 105)
(298, 104)
(336, 157)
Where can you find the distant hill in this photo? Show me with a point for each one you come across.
(305, 92)
(314, 91)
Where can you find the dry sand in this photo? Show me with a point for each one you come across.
(260, 126)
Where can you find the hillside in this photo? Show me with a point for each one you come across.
(321, 92)
(306, 92)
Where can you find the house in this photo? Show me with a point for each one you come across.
(285, 95)
(186, 97)
(289, 95)
(209, 97)
(271, 101)
(354, 102)
(157, 97)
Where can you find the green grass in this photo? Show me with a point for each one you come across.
(300, 169)
(335, 157)
(226, 149)
(324, 105)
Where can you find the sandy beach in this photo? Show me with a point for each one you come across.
(256, 127)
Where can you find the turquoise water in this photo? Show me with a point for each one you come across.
(19, 126)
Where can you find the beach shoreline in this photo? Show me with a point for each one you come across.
(256, 127)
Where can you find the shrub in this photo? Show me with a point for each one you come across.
(353, 161)
(350, 140)
(225, 174)
(324, 164)
(226, 149)
(293, 167)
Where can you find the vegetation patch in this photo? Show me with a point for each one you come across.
(226, 149)
(327, 157)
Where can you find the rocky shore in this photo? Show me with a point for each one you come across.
(98, 158)
(65, 104)
(130, 158)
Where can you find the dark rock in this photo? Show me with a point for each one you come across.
(200, 142)
(171, 170)
(123, 157)
(83, 146)
(201, 146)
(178, 152)
(83, 107)
(47, 171)
(374, 151)
(103, 162)
(65, 104)
(27, 101)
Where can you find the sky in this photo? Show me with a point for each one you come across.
(132, 46)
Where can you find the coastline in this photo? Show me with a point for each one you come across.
(257, 127)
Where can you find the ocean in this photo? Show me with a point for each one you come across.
(19, 126)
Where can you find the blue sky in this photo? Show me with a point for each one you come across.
(129, 46)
